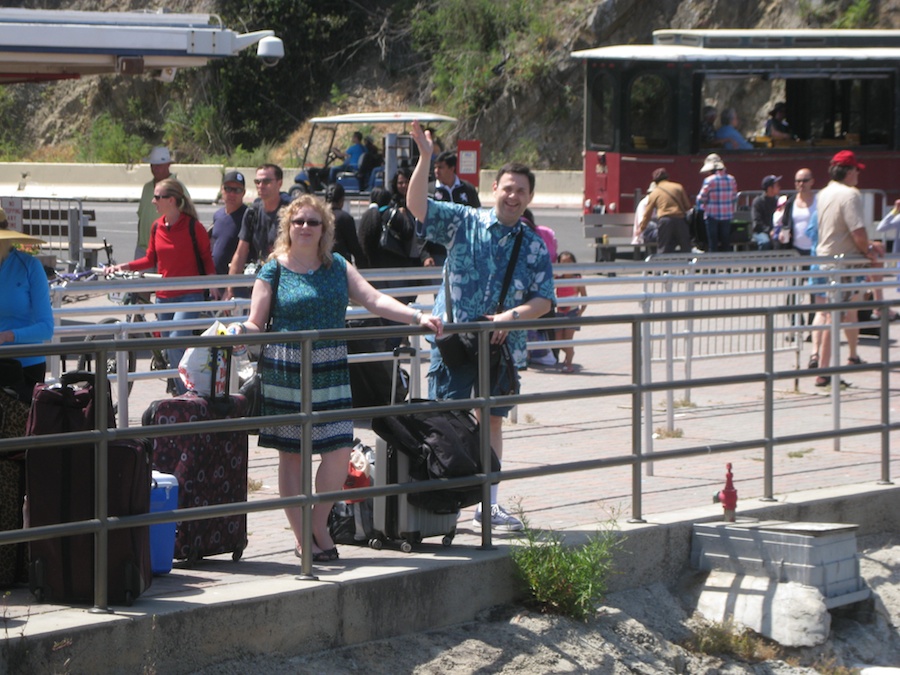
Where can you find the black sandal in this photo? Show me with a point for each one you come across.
(329, 555)
(813, 362)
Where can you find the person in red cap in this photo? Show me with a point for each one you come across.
(842, 231)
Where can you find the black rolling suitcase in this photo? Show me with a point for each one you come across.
(60, 488)
(211, 468)
(420, 446)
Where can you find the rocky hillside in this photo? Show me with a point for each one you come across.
(539, 123)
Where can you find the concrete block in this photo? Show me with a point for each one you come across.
(791, 614)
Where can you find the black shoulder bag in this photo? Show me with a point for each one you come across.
(460, 349)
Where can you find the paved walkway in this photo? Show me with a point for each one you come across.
(575, 429)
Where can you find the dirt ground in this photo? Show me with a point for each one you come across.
(636, 631)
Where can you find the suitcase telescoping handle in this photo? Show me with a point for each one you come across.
(398, 352)
(75, 376)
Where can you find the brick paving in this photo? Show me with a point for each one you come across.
(577, 429)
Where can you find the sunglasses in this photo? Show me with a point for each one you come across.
(232, 190)
(309, 222)
(263, 181)
(161, 196)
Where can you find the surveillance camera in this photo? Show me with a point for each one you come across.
(270, 50)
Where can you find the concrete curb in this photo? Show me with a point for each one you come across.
(367, 602)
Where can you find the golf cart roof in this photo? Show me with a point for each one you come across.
(382, 118)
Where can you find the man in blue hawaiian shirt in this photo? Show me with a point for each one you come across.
(479, 245)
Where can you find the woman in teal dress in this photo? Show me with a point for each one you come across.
(313, 289)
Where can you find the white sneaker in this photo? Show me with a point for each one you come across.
(501, 521)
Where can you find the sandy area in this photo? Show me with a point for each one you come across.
(635, 631)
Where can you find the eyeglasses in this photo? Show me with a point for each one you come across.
(802, 180)
(263, 181)
(155, 196)
(232, 190)
(309, 222)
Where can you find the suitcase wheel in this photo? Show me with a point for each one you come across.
(193, 556)
(129, 598)
(375, 543)
(237, 553)
(447, 540)
(406, 547)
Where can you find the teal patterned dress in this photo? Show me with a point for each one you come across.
(314, 301)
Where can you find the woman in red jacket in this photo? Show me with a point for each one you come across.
(179, 247)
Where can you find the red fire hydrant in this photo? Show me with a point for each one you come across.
(727, 497)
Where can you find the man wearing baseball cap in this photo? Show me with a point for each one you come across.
(159, 160)
(842, 231)
(762, 209)
(227, 220)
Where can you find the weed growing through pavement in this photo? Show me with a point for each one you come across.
(568, 580)
(797, 454)
(665, 433)
(684, 403)
(254, 485)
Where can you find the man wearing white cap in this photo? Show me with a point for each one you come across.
(159, 160)
(25, 314)
(717, 198)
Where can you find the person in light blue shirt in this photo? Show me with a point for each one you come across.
(479, 246)
(26, 317)
(351, 157)
(728, 133)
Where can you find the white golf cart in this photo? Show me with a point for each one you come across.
(396, 149)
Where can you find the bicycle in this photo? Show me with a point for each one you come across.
(158, 360)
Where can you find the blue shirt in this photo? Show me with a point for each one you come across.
(26, 307)
(733, 139)
(353, 153)
(478, 252)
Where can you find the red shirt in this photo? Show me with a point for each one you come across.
(172, 252)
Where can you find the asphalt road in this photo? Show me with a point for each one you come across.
(117, 221)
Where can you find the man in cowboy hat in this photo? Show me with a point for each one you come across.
(717, 198)
(842, 231)
(25, 315)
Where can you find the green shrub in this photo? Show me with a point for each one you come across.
(569, 580)
(109, 142)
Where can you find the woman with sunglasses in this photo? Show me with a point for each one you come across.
(178, 247)
(312, 289)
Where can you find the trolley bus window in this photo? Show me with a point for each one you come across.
(600, 116)
(649, 113)
(854, 111)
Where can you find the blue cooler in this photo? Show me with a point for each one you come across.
(163, 497)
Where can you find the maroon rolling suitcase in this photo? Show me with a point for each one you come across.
(60, 488)
(13, 415)
(211, 468)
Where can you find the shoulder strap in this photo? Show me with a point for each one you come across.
(275, 279)
(201, 270)
(510, 268)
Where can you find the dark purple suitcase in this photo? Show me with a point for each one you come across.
(211, 468)
(60, 489)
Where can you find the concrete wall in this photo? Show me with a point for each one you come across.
(118, 182)
(381, 599)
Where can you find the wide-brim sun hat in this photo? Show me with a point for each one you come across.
(19, 238)
(712, 163)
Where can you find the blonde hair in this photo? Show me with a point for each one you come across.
(326, 241)
(182, 199)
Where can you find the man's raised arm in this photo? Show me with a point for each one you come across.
(417, 193)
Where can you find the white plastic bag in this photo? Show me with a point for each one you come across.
(196, 365)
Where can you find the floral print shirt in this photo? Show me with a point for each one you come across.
(478, 252)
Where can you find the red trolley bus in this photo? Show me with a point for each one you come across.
(644, 106)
